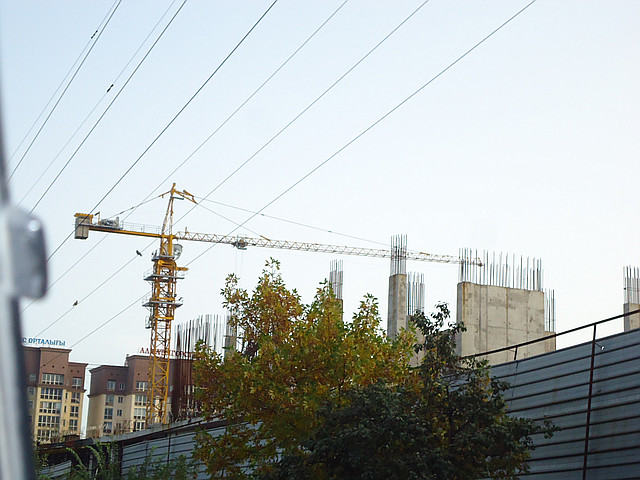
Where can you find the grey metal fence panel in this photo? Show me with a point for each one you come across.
(556, 386)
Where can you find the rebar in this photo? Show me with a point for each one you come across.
(336, 278)
(398, 255)
(549, 310)
(415, 293)
(631, 279)
(497, 269)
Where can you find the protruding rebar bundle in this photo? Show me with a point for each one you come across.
(187, 335)
(549, 310)
(500, 270)
(336, 278)
(631, 281)
(415, 292)
(398, 254)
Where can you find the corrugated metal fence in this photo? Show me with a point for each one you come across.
(591, 392)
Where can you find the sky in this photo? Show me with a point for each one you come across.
(528, 145)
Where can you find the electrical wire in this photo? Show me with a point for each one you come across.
(148, 197)
(53, 95)
(168, 125)
(210, 136)
(292, 222)
(247, 100)
(305, 109)
(308, 107)
(102, 325)
(95, 245)
(262, 85)
(332, 156)
(78, 302)
(370, 127)
(230, 221)
(165, 128)
(86, 118)
(183, 107)
(63, 92)
(102, 116)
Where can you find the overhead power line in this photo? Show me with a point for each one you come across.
(291, 222)
(55, 92)
(77, 302)
(223, 123)
(370, 127)
(166, 127)
(317, 99)
(88, 116)
(64, 91)
(255, 92)
(412, 95)
(184, 107)
(104, 113)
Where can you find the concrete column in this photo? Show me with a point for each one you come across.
(397, 316)
(633, 321)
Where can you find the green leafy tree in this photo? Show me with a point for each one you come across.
(295, 359)
(447, 421)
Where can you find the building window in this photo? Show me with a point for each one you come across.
(32, 391)
(107, 427)
(50, 407)
(75, 397)
(142, 386)
(121, 386)
(109, 400)
(119, 413)
(75, 412)
(52, 379)
(140, 400)
(120, 399)
(48, 421)
(32, 377)
(111, 384)
(76, 382)
(47, 435)
(48, 393)
(30, 405)
(108, 413)
(138, 426)
(139, 413)
(73, 425)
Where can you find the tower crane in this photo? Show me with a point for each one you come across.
(162, 302)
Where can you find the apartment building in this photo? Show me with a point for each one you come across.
(55, 390)
(118, 397)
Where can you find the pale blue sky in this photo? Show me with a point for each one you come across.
(528, 145)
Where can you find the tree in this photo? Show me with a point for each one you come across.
(448, 420)
(295, 359)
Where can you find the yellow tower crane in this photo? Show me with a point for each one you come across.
(165, 274)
